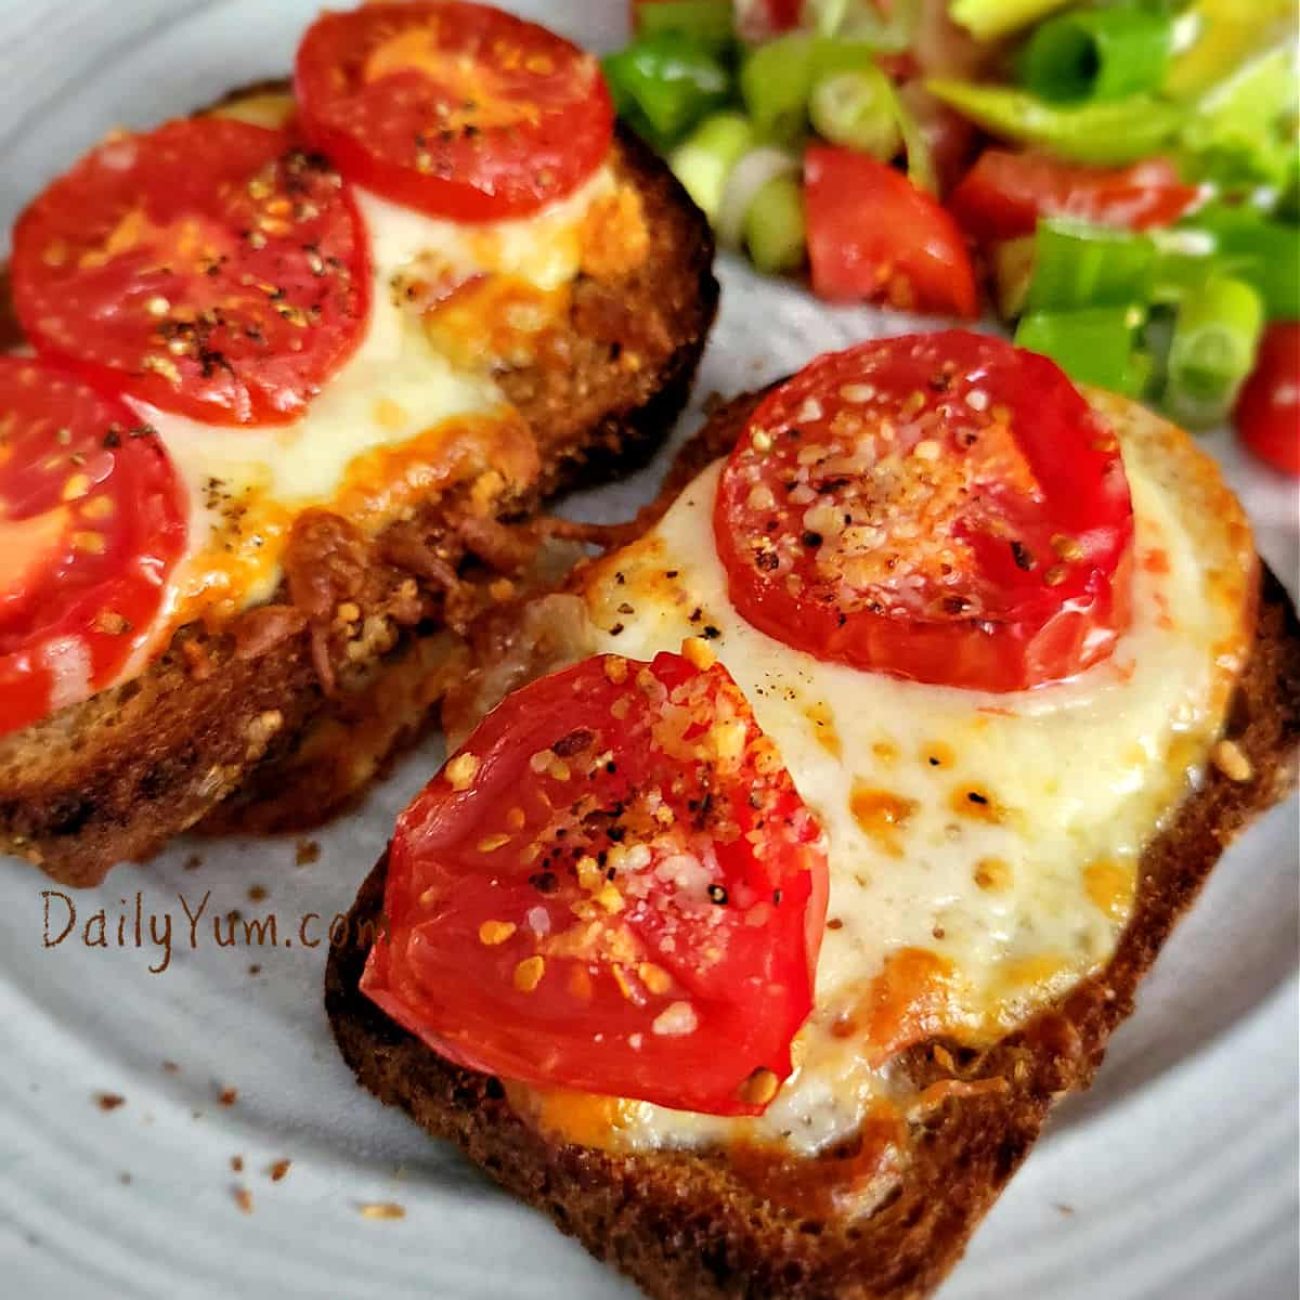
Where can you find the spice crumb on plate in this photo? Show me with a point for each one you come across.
(109, 1100)
(382, 1210)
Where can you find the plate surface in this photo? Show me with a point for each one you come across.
(1175, 1176)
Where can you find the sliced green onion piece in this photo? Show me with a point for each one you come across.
(747, 177)
(1078, 265)
(1216, 337)
(1094, 345)
(859, 110)
(703, 161)
(989, 19)
(1012, 263)
(826, 16)
(1257, 249)
(1097, 54)
(775, 82)
(775, 233)
(1121, 131)
(1183, 259)
(707, 21)
(1242, 132)
(664, 84)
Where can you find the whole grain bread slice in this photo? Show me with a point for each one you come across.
(687, 1224)
(277, 694)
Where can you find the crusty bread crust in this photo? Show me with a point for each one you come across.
(116, 777)
(695, 1224)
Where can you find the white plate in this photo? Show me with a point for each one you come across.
(1175, 1176)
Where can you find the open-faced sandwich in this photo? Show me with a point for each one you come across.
(285, 381)
(795, 857)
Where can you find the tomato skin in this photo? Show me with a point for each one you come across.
(541, 120)
(1268, 411)
(97, 505)
(208, 267)
(489, 869)
(996, 558)
(873, 236)
(759, 20)
(1005, 193)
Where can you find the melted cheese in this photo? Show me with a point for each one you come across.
(982, 848)
(380, 435)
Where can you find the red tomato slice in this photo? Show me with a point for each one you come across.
(209, 267)
(873, 236)
(943, 507)
(456, 109)
(1268, 411)
(92, 520)
(1004, 194)
(612, 887)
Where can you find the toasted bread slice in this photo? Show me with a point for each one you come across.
(701, 1223)
(115, 777)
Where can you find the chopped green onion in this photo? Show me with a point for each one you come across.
(1252, 247)
(831, 59)
(1094, 345)
(1097, 54)
(1242, 132)
(1077, 265)
(1183, 259)
(776, 80)
(862, 20)
(775, 233)
(1216, 337)
(703, 161)
(707, 21)
(747, 178)
(859, 110)
(1012, 263)
(826, 16)
(988, 19)
(1121, 131)
(664, 84)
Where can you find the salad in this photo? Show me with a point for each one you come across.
(1119, 181)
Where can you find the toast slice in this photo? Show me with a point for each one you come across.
(349, 634)
(699, 1223)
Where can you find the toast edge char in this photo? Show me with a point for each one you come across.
(685, 1224)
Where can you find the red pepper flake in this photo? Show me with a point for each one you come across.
(278, 1170)
(306, 852)
(237, 1164)
(109, 1100)
(228, 1096)
(243, 1199)
(257, 893)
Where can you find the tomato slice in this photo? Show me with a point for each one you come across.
(459, 110)
(1005, 193)
(612, 887)
(92, 520)
(942, 507)
(210, 267)
(873, 236)
(1268, 411)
